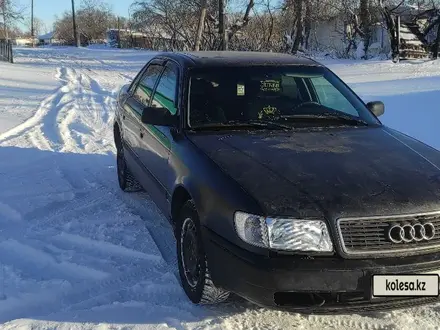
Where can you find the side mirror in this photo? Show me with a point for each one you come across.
(376, 107)
(158, 116)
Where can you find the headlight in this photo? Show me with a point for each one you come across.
(283, 234)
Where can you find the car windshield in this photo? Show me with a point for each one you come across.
(272, 97)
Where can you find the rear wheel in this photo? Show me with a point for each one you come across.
(193, 265)
(127, 181)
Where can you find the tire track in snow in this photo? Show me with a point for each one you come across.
(51, 238)
(103, 247)
(158, 226)
(50, 129)
(74, 118)
(31, 259)
(35, 260)
(37, 119)
(86, 294)
(9, 213)
(101, 103)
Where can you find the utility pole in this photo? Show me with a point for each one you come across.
(119, 32)
(32, 23)
(75, 34)
(201, 26)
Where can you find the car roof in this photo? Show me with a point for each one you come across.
(237, 58)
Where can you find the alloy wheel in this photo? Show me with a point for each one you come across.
(189, 252)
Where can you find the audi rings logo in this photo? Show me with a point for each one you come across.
(406, 233)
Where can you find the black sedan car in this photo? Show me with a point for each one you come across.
(281, 184)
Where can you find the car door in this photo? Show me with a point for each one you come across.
(156, 140)
(126, 107)
(139, 98)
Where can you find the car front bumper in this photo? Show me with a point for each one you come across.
(310, 285)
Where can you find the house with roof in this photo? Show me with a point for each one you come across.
(155, 37)
(336, 32)
(49, 39)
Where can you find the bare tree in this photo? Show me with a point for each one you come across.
(173, 22)
(38, 28)
(436, 47)
(4, 7)
(268, 25)
(295, 15)
(434, 25)
(365, 24)
(389, 15)
(93, 19)
(299, 25)
(201, 25)
(222, 25)
(64, 29)
(10, 13)
(307, 22)
(179, 21)
(241, 23)
(264, 31)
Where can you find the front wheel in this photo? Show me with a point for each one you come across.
(127, 181)
(193, 265)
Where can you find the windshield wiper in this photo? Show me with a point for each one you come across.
(327, 115)
(237, 124)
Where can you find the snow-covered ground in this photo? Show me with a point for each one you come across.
(77, 253)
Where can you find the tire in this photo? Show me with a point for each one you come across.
(127, 181)
(198, 286)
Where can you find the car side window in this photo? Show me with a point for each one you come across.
(145, 87)
(136, 79)
(165, 94)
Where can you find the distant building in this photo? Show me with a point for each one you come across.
(49, 39)
(334, 33)
(155, 39)
(24, 42)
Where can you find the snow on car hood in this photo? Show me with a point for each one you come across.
(331, 172)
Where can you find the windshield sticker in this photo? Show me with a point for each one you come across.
(268, 111)
(240, 90)
(270, 86)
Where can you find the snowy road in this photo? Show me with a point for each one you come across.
(75, 252)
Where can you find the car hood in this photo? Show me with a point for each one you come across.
(331, 173)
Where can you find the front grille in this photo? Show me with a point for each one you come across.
(369, 236)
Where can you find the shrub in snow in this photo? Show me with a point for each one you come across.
(112, 38)
(360, 51)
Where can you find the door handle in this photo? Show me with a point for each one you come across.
(141, 134)
(123, 117)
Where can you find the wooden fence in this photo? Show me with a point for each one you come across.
(6, 51)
